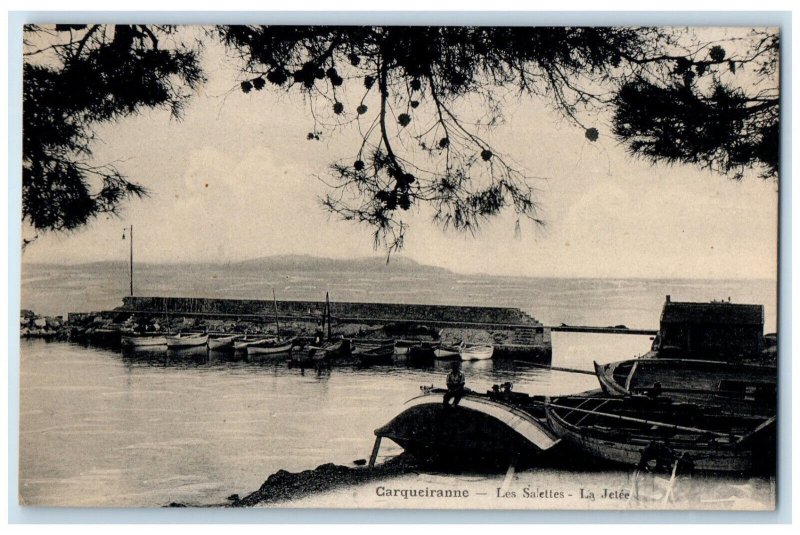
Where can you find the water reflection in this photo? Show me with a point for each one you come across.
(483, 372)
(195, 426)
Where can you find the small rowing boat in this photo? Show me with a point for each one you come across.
(627, 431)
(447, 352)
(476, 352)
(222, 343)
(143, 340)
(381, 354)
(182, 340)
(270, 346)
(402, 347)
(242, 343)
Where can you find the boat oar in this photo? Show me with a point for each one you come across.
(639, 420)
(556, 368)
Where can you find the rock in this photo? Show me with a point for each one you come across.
(283, 485)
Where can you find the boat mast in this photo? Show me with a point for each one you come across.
(166, 316)
(277, 325)
(131, 266)
(328, 310)
(130, 231)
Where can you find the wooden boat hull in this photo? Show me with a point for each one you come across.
(737, 389)
(143, 340)
(617, 444)
(338, 349)
(402, 347)
(447, 352)
(477, 353)
(308, 358)
(243, 343)
(222, 343)
(378, 355)
(479, 431)
(256, 349)
(185, 341)
(422, 354)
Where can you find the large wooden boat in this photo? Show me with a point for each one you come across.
(482, 430)
(636, 432)
(733, 388)
(184, 340)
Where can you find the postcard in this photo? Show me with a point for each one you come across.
(399, 267)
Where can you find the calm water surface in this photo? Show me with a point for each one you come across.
(99, 427)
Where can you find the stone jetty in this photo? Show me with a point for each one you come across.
(514, 333)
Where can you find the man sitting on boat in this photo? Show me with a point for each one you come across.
(455, 384)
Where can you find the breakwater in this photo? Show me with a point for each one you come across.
(367, 313)
(514, 333)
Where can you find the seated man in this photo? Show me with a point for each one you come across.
(455, 385)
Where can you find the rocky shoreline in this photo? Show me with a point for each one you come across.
(285, 486)
(32, 325)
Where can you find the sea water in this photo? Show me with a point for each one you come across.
(104, 428)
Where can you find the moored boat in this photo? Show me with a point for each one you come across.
(183, 340)
(734, 388)
(324, 354)
(242, 343)
(447, 352)
(482, 430)
(635, 432)
(143, 340)
(333, 349)
(382, 354)
(476, 352)
(222, 343)
(270, 346)
(402, 347)
(422, 353)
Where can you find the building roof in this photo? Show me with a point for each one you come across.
(714, 312)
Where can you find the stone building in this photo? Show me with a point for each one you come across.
(710, 330)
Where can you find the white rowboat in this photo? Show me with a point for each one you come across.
(222, 342)
(180, 340)
(476, 352)
(143, 340)
(269, 347)
(243, 343)
(446, 352)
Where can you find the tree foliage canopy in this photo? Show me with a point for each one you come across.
(96, 74)
(672, 98)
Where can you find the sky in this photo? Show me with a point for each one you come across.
(235, 179)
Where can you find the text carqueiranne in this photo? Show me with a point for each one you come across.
(424, 492)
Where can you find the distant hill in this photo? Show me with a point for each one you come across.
(285, 263)
(314, 263)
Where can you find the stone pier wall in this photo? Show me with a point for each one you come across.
(367, 313)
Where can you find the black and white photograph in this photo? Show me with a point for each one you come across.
(347, 266)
